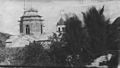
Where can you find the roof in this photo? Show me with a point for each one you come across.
(61, 22)
(31, 12)
(30, 15)
(22, 40)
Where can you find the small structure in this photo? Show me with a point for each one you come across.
(31, 23)
(60, 25)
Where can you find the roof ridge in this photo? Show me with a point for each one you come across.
(61, 21)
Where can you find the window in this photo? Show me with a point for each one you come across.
(59, 29)
(27, 29)
(41, 29)
(63, 29)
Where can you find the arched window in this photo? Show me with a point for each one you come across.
(59, 29)
(21, 27)
(27, 29)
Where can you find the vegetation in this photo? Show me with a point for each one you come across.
(96, 38)
(78, 45)
(101, 34)
(98, 30)
(71, 44)
(34, 54)
(3, 38)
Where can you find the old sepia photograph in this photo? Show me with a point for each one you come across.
(59, 33)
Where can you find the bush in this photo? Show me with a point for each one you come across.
(34, 54)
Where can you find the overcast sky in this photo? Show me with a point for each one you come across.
(12, 10)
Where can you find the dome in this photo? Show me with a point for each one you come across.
(31, 14)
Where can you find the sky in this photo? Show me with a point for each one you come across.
(51, 10)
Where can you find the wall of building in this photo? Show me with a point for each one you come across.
(60, 28)
(35, 27)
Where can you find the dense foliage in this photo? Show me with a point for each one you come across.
(98, 28)
(83, 44)
(101, 34)
(35, 54)
(70, 48)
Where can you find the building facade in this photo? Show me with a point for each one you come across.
(31, 23)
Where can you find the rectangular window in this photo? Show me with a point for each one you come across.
(59, 29)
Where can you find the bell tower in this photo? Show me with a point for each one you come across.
(61, 23)
(31, 22)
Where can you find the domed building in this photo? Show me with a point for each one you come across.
(31, 23)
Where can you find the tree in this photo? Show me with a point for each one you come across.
(57, 52)
(114, 35)
(34, 54)
(73, 34)
(81, 44)
(98, 30)
(114, 42)
(76, 40)
(102, 35)
(72, 43)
